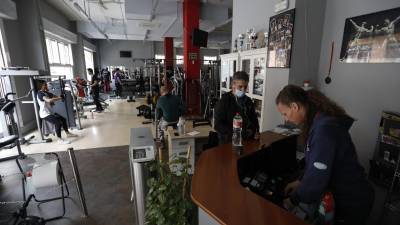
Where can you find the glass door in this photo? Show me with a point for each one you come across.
(224, 73)
(259, 76)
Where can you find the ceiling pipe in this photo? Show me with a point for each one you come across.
(153, 10)
(79, 8)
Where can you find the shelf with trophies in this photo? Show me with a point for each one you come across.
(250, 55)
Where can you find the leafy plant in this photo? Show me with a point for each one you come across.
(168, 201)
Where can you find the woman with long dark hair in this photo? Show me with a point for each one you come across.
(331, 162)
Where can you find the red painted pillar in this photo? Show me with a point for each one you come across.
(169, 59)
(191, 15)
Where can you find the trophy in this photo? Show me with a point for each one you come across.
(248, 39)
(235, 46)
(266, 38)
(253, 38)
(241, 39)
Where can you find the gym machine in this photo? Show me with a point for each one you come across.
(33, 75)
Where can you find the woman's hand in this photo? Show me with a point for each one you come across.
(292, 187)
(257, 136)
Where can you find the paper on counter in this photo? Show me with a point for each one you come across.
(193, 133)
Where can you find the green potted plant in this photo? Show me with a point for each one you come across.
(168, 200)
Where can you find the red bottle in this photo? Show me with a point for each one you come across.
(327, 209)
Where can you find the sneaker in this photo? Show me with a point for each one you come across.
(71, 135)
(64, 141)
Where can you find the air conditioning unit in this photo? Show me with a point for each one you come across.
(149, 25)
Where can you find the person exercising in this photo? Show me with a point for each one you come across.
(168, 110)
(46, 101)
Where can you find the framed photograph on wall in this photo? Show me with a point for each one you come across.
(280, 39)
(372, 38)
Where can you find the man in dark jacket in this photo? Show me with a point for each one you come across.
(95, 89)
(168, 109)
(234, 102)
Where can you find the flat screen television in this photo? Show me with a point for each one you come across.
(199, 38)
(125, 54)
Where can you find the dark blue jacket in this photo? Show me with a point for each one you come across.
(332, 164)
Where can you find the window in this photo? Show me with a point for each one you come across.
(89, 62)
(179, 59)
(207, 59)
(5, 85)
(60, 58)
(159, 56)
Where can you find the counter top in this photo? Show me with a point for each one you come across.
(202, 131)
(216, 188)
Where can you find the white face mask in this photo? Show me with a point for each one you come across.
(239, 93)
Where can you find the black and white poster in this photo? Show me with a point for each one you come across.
(372, 38)
(280, 39)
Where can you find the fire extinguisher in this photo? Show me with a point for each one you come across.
(326, 209)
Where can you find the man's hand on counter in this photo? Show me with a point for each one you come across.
(288, 204)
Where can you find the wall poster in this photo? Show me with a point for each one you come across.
(280, 39)
(372, 38)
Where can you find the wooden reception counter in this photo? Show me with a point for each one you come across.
(217, 191)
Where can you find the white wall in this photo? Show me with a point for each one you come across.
(109, 52)
(364, 90)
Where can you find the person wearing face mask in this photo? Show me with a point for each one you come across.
(331, 162)
(234, 102)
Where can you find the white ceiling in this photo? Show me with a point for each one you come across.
(145, 19)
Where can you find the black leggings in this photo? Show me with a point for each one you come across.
(58, 121)
(96, 100)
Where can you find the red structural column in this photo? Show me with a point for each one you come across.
(169, 59)
(191, 15)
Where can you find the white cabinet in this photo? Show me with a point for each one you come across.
(264, 83)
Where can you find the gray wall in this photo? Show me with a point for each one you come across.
(109, 52)
(79, 57)
(306, 45)
(54, 15)
(364, 90)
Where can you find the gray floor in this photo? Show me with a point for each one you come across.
(106, 183)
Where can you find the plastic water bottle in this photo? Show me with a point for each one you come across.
(237, 131)
(181, 126)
